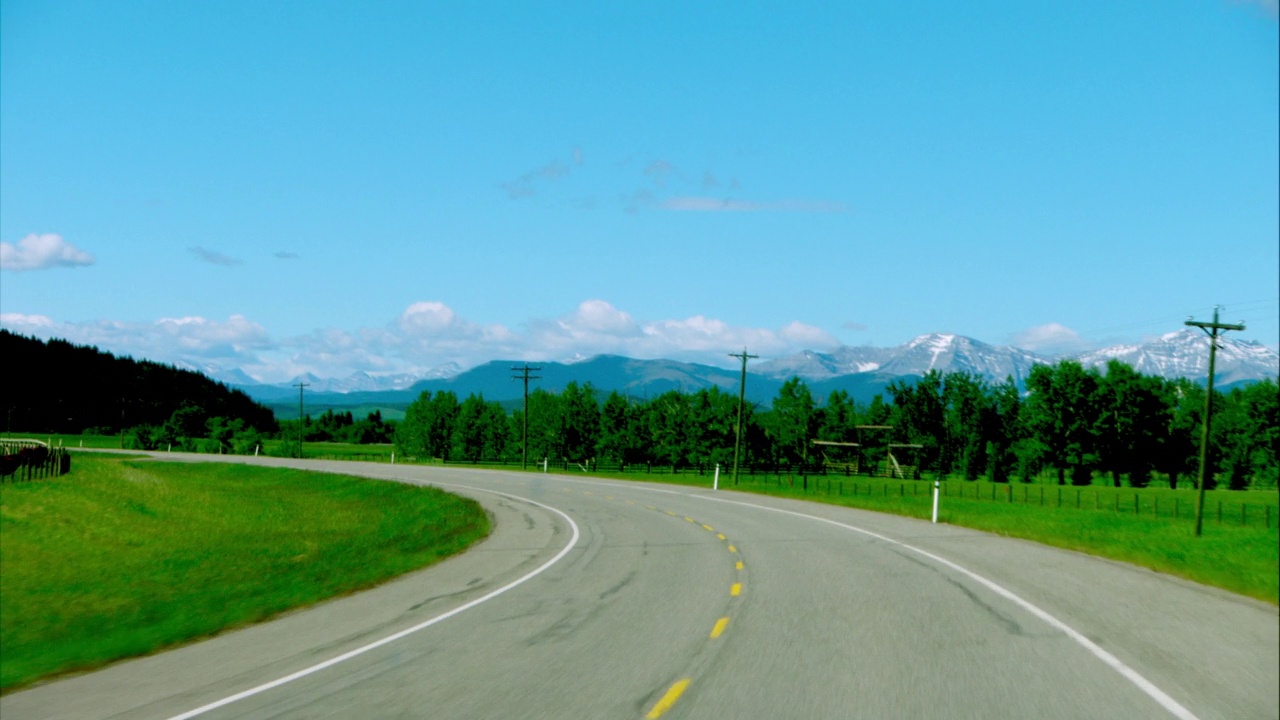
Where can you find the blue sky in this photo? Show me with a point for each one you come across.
(390, 187)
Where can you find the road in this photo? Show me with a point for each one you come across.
(606, 599)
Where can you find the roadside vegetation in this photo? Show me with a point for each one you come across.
(122, 558)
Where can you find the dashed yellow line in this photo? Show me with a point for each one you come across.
(721, 624)
(738, 565)
(708, 528)
(608, 497)
(669, 699)
(735, 589)
(733, 549)
(669, 513)
(721, 536)
(689, 519)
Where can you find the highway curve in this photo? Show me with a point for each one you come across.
(607, 599)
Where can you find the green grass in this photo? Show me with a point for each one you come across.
(122, 557)
(1241, 558)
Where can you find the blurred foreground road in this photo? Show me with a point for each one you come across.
(679, 602)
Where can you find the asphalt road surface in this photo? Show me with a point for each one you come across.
(606, 599)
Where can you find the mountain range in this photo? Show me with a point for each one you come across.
(861, 371)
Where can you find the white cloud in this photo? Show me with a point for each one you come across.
(25, 324)
(427, 335)
(808, 336)
(41, 252)
(1050, 339)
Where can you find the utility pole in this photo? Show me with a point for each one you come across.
(1211, 328)
(526, 377)
(301, 424)
(742, 396)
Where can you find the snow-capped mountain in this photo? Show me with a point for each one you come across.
(935, 351)
(1185, 353)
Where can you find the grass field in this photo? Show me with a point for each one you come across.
(122, 557)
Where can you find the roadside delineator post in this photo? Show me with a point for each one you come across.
(715, 482)
(936, 485)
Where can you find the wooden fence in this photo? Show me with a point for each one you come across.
(23, 460)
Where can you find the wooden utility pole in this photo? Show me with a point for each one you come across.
(526, 377)
(301, 424)
(742, 396)
(1212, 329)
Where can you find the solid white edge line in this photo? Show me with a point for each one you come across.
(409, 631)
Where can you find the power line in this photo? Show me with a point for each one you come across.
(301, 424)
(1212, 329)
(742, 394)
(526, 377)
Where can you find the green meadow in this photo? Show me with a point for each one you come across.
(124, 557)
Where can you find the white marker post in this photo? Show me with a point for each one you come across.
(255, 450)
(935, 501)
(544, 465)
(393, 457)
(715, 483)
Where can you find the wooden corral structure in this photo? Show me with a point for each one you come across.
(901, 459)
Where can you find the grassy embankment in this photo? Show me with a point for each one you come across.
(121, 558)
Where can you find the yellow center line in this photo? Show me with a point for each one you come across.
(631, 502)
(708, 528)
(668, 699)
(721, 624)
(688, 519)
(587, 492)
(735, 589)
(608, 497)
(738, 566)
(669, 513)
(720, 535)
(650, 507)
(733, 549)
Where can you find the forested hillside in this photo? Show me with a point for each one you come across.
(59, 387)
(1074, 424)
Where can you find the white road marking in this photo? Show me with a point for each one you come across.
(409, 631)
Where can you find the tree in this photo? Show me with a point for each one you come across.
(1005, 433)
(580, 421)
(1132, 415)
(919, 417)
(667, 421)
(1060, 414)
(793, 422)
(967, 407)
(427, 428)
(615, 425)
(713, 417)
(1179, 443)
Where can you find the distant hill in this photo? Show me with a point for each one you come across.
(863, 372)
(59, 387)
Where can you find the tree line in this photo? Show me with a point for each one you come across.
(60, 387)
(1073, 423)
